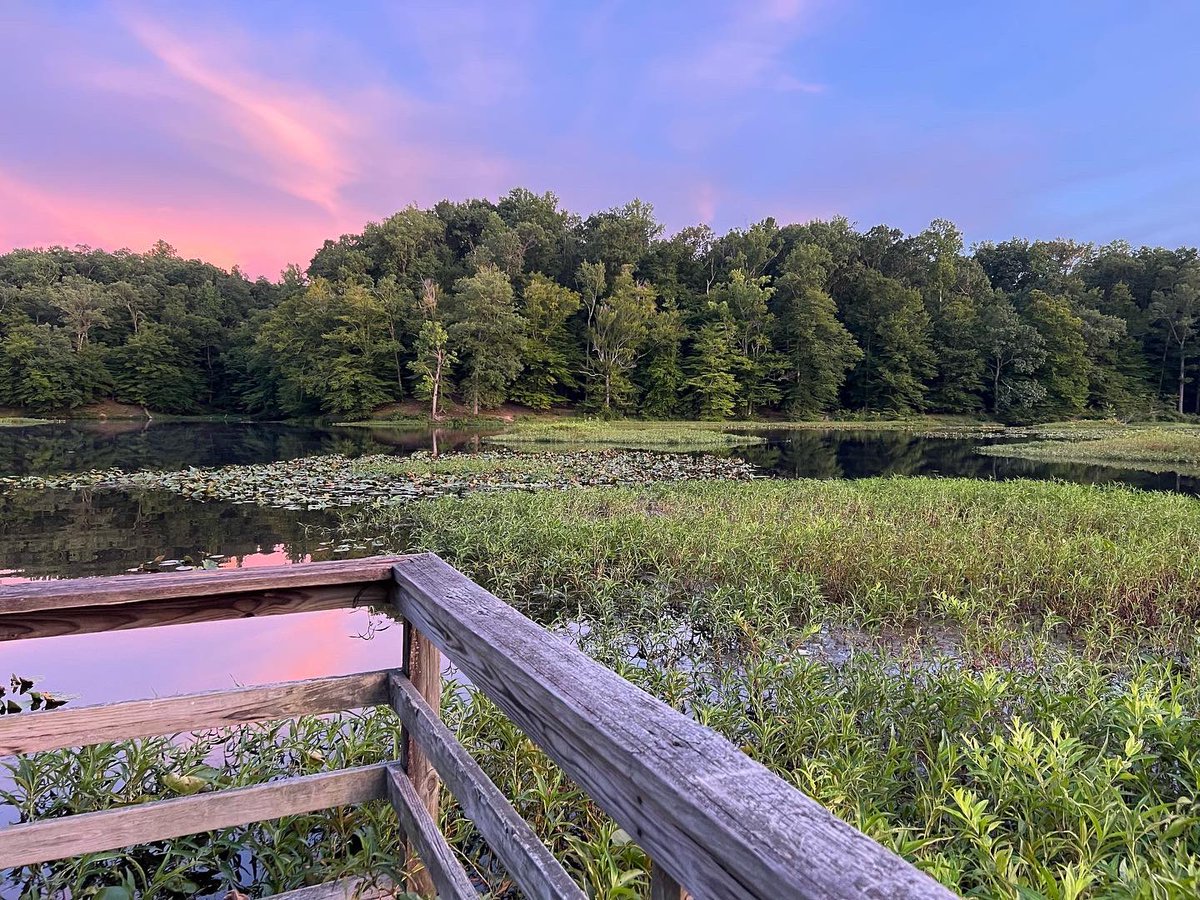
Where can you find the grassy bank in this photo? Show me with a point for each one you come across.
(22, 422)
(995, 680)
(629, 434)
(1154, 449)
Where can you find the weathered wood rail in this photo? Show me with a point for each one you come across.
(716, 823)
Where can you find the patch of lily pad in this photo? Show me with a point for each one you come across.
(336, 481)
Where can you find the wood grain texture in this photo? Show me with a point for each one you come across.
(80, 726)
(190, 610)
(112, 829)
(44, 596)
(719, 823)
(446, 873)
(422, 667)
(525, 858)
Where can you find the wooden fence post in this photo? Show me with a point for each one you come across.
(663, 886)
(423, 667)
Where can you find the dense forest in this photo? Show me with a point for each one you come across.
(521, 301)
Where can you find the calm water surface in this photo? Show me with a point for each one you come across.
(57, 534)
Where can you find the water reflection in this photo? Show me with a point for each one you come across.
(81, 446)
(866, 453)
(175, 659)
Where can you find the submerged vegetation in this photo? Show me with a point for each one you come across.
(1154, 449)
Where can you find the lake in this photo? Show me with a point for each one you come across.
(58, 534)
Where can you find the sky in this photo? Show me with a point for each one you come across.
(248, 133)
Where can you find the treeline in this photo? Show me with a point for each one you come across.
(521, 301)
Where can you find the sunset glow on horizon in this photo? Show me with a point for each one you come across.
(250, 134)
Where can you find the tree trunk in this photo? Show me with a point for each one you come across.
(1182, 365)
(437, 384)
(607, 390)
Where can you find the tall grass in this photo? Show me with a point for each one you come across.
(1110, 566)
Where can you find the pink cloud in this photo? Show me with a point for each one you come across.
(298, 135)
(237, 153)
(222, 229)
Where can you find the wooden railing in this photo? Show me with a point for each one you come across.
(716, 823)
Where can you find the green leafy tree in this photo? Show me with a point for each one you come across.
(39, 368)
(1176, 311)
(433, 364)
(84, 306)
(1065, 369)
(549, 361)
(757, 365)
(358, 348)
(951, 285)
(816, 349)
(487, 334)
(712, 384)
(892, 328)
(617, 333)
(1012, 352)
(155, 373)
(660, 373)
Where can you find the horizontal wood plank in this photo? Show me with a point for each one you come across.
(719, 823)
(43, 596)
(531, 865)
(84, 725)
(191, 610)
(112, 829)
(444, 869)
(91, 605)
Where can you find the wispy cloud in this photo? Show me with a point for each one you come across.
(744, 51)
(296, 136)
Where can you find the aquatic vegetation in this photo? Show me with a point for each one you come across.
(629, 434)
(1155, 449)
(24, 422)
(21, 695)
(1104, 564)
(324, 482)
(996, 680)
(264, 857)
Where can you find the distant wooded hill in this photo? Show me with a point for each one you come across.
(522, 301)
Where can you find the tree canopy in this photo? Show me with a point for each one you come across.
(519, 300)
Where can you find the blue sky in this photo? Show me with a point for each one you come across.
(249, 132)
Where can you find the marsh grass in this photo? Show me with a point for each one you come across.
(634, 435)
(22, 422)
(1157, 449)
(1111, 567)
